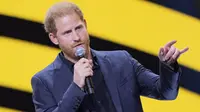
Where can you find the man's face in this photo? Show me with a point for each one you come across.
(71, 33)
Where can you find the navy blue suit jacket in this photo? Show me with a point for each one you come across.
(126, 79)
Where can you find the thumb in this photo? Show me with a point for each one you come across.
(161, 54)
(162, 51)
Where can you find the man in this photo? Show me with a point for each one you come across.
(118, 79)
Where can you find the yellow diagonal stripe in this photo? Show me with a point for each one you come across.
(21, 60)
(3, 109)
(134, 23)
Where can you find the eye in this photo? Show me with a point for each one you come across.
(67, 32)
(79, 27)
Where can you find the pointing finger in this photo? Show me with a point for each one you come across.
(169, 44)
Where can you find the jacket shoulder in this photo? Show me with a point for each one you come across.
(46, 71)
(114, 53)
(49, 71)
(121, 55)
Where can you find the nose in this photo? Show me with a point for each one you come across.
(76, 36)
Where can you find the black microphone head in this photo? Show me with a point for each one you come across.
(80, 52)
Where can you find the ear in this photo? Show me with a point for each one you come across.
(53, 38)
(85, 23)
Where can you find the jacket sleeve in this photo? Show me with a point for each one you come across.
(164, 86)
(44, 101)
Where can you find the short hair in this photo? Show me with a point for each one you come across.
(59, 10)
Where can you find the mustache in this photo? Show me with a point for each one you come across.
(77, 44)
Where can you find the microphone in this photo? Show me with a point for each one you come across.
(80, 52)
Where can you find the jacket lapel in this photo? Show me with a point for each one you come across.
(110, 79)
(62, 79)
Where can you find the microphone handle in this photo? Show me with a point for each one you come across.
(89, 85)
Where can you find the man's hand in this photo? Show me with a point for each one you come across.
(169, 53)
(82, 69)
